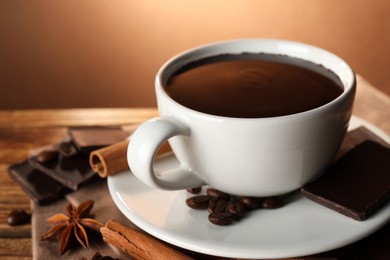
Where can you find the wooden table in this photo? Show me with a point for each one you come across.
(21, 130)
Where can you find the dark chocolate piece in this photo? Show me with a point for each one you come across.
(357, 185)
(87, 139)
(38, 186)
(357, 136)
(71, 172)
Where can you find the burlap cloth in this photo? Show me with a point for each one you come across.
(377, 246)
(103, 210)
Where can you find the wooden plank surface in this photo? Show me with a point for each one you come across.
(12, 248)
(74, 117)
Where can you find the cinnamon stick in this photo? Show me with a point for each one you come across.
(113, 159)
(138, 244)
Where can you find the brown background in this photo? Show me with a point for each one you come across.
(56, 54)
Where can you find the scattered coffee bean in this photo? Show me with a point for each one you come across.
(217, 205)
(236, 208)
(221, 219)
(46, 156)
(250, 202)
(18, 217)
(195, 190)
(224, 208)
(198, 202)
(216, 193)
(98, 256)
(272, 203)
(212, 204)
(67, 149)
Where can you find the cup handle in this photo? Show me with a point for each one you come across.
(142, 150)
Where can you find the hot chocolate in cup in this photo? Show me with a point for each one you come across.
(250, 117)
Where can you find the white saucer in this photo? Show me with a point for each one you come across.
(300, 228)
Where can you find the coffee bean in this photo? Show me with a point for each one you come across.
(224, 208)
(67, 149)
(250, 202)
(195, 190)
(221, 219)
(236, 208)
(217, 205)
(212, 204)
(221, 206)
(98, 256)
(272, 203)
(198, 202)
(18, 217)
(46, 156)
(216, 193)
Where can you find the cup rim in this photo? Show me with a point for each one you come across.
(200, 51)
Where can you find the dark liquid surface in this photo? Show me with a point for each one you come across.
(253, 85)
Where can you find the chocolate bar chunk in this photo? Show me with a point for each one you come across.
(38, 186)
(87, 139)
(357, 185)
(71, 172)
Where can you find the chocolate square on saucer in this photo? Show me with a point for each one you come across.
(357, 185)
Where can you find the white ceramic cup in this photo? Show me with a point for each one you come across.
(243, 156)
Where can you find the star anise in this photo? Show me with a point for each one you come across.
(73, 225)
